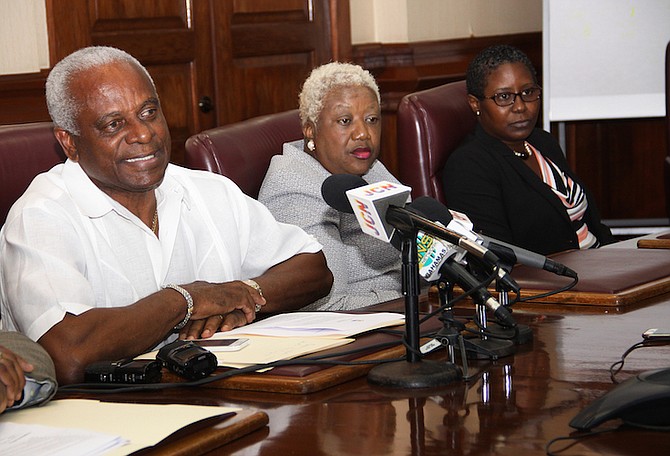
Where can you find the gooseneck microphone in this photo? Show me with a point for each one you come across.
(437, 211)
(384, 207)
(516, 254)
(378, 213)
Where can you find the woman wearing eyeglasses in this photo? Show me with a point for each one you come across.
(510, 178)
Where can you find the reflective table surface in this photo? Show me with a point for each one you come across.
(510, 406)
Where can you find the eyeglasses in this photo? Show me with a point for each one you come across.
(503, 99)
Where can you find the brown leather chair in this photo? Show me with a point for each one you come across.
(431, 125)
(242, 151)
(26, 150)
(667, 128)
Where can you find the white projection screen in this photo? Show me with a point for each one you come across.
(604, 59)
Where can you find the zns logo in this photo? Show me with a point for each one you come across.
(423, 243)
(366, 216)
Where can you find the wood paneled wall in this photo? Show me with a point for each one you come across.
(620, 160)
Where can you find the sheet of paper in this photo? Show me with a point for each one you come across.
(32, 439)
(316, 324)
(141, 425)
(262, 350)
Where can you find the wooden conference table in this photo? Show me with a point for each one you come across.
(512, 406)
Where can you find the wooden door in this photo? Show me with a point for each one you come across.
(247, 57)
(264, 51)
(169, 37)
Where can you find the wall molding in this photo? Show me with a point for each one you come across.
(408, 67)
(22, 98)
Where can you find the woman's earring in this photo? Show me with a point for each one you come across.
(310, 145)
(478, 113)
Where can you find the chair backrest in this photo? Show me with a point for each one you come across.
(242, 151)
(26, 150)
(431, 125)
(667, 128)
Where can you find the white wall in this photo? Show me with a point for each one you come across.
(402, 21)
(24, 45)
(604, 59)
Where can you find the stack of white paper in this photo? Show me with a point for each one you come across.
(317, 324)
(32, 439)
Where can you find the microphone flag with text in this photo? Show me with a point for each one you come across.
(513, 254)
(399, 217)
(342, 192)
(372, 202)
(378, 211)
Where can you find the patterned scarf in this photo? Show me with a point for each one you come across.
(571, 195)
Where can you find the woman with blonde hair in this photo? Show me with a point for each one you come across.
(341, 123)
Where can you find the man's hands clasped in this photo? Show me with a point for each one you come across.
(220, 307)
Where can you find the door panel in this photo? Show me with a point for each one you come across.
(165, 36)
(267, 49)
(249, 57)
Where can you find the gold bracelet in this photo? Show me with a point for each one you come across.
(189, 303)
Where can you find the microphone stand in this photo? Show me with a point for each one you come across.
(413, 372)
(450, 335)
(522, 334)
(486, 347)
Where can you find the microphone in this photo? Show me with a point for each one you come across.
(520, 255)
(513, 254)
(435, 256)
(457, 221)
(458, 274)
(334, 192)
(372, 205)
(433, 253)
(377, 211)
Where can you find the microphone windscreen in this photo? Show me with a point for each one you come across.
(334, 190)
(432, 209)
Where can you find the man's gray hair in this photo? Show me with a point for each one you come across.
(62, 104)
(327, 77)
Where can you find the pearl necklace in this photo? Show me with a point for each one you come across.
(526, 153)
(154, 223)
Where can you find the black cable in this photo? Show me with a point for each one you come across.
(642, 343)
(550, 293)
(576, 439)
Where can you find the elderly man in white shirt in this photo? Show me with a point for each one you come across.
(116, 251)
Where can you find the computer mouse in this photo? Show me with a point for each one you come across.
(642, 401)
